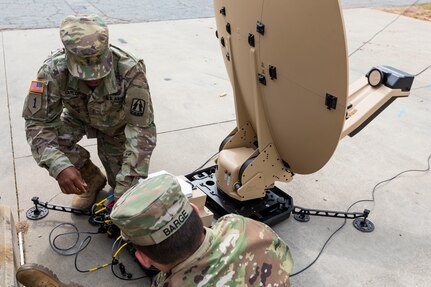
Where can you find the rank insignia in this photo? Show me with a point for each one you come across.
(37, 87)
(138, 107)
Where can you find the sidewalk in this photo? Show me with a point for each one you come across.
(188, 81)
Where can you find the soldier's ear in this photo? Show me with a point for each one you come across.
(195, 208)
(147, 262)
(143, 259)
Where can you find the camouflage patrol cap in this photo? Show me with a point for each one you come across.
(151, 211)
(85, 38)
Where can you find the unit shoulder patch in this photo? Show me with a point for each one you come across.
(35, 106)
(137, 107)
(34, 102)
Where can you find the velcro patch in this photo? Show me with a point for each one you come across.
(37, 87)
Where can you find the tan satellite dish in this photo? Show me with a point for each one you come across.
(307, 58)
(309, 54)
(287, 62)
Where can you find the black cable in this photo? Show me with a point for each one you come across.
(356, 202)
(62, 251)
(86, 241)
(422, 71)
(82, 245)
(205, 162)
(126, 279)
(384, 28)
(321, 250)
(388, 180)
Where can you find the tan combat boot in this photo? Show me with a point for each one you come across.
(95, 180)
(34, 275)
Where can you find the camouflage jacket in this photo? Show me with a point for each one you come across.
(237, 251)
(119, 107)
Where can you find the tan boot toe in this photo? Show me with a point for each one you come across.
(95, 180)
(35, 275)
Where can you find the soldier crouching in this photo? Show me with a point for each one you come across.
(95, 89)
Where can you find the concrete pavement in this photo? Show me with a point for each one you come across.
(188, 80)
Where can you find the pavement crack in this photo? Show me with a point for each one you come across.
(383, 29)
(70, 6)
(107, 16)
(10, 126)
(182, 3)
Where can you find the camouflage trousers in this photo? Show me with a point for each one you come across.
(110, 149)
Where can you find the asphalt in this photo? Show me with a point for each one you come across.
(194, 112)
(30, 14)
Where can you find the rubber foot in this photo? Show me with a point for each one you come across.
(302, 217)
(36, 214)
(363, 225)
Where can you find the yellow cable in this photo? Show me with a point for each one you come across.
(115, 255)
(101, 202)
(100, 210)
(100, 267)
(119, 249)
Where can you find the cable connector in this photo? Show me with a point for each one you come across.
(124, 272)
(122, 269)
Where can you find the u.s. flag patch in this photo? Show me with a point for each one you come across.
(37, 86)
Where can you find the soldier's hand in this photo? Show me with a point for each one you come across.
(70, 181)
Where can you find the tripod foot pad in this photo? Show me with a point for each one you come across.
(363, 225)
(36, 214)
(302, 217)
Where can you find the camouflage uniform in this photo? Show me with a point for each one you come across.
(237, 251)
(60, 108)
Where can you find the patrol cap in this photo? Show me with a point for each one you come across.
(151, 211)
(85, 38)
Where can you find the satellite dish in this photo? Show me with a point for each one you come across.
(302, 70)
